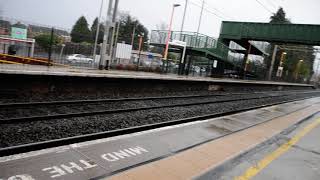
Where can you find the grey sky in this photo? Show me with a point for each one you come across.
(63, 13)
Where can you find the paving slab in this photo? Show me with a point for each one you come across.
(301, 161)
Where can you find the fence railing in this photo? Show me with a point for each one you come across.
(194, 40)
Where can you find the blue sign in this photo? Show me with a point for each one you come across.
(150, 56)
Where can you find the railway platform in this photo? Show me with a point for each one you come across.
(220, 147)
(87, 72)
(39, 83)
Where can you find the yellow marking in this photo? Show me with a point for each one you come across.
(21, 57)
(31, 59)
(254, 170)
(9, 62)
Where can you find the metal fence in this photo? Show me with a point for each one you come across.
(61, 51)
(195, 40)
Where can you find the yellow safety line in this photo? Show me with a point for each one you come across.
(254, 170)
(10, 62)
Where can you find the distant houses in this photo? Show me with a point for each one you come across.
(5, 27)
(18, 38)
(32, 30)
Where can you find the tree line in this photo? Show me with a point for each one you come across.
(81, 33)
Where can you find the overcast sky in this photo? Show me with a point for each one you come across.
(63, 13)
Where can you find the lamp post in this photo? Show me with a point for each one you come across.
(97, 31)
(169, 33)
(140, 49)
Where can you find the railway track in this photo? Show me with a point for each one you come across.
(91, 136)
(49, 115)
(70, 102)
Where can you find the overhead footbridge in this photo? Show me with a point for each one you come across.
(245, 34)
(241, 32)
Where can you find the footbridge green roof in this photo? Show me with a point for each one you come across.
(307, 34)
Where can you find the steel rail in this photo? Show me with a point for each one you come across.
(7, 105)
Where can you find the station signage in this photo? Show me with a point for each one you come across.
(178, 43)
(18, 33)
(215, 64)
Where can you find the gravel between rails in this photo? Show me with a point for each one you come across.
(61, 97)
(30, 132)
(53, 109)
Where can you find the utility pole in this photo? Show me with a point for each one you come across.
(181, 30)
(183, 19)
(133, 34)
(140, 49)
(117, 33)
(200, 19)
(114, 32)
(107, 49)
(115, 11)
(97, 32)
(201, 13)
(116, 40)
(272, 61)
(104, 58)
(50, 47)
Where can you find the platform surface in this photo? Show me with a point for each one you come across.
(86, 72)
(291, 155)
(104, 158)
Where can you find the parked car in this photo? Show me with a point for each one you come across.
(79, 58)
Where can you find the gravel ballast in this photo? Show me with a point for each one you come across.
(30, 132)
